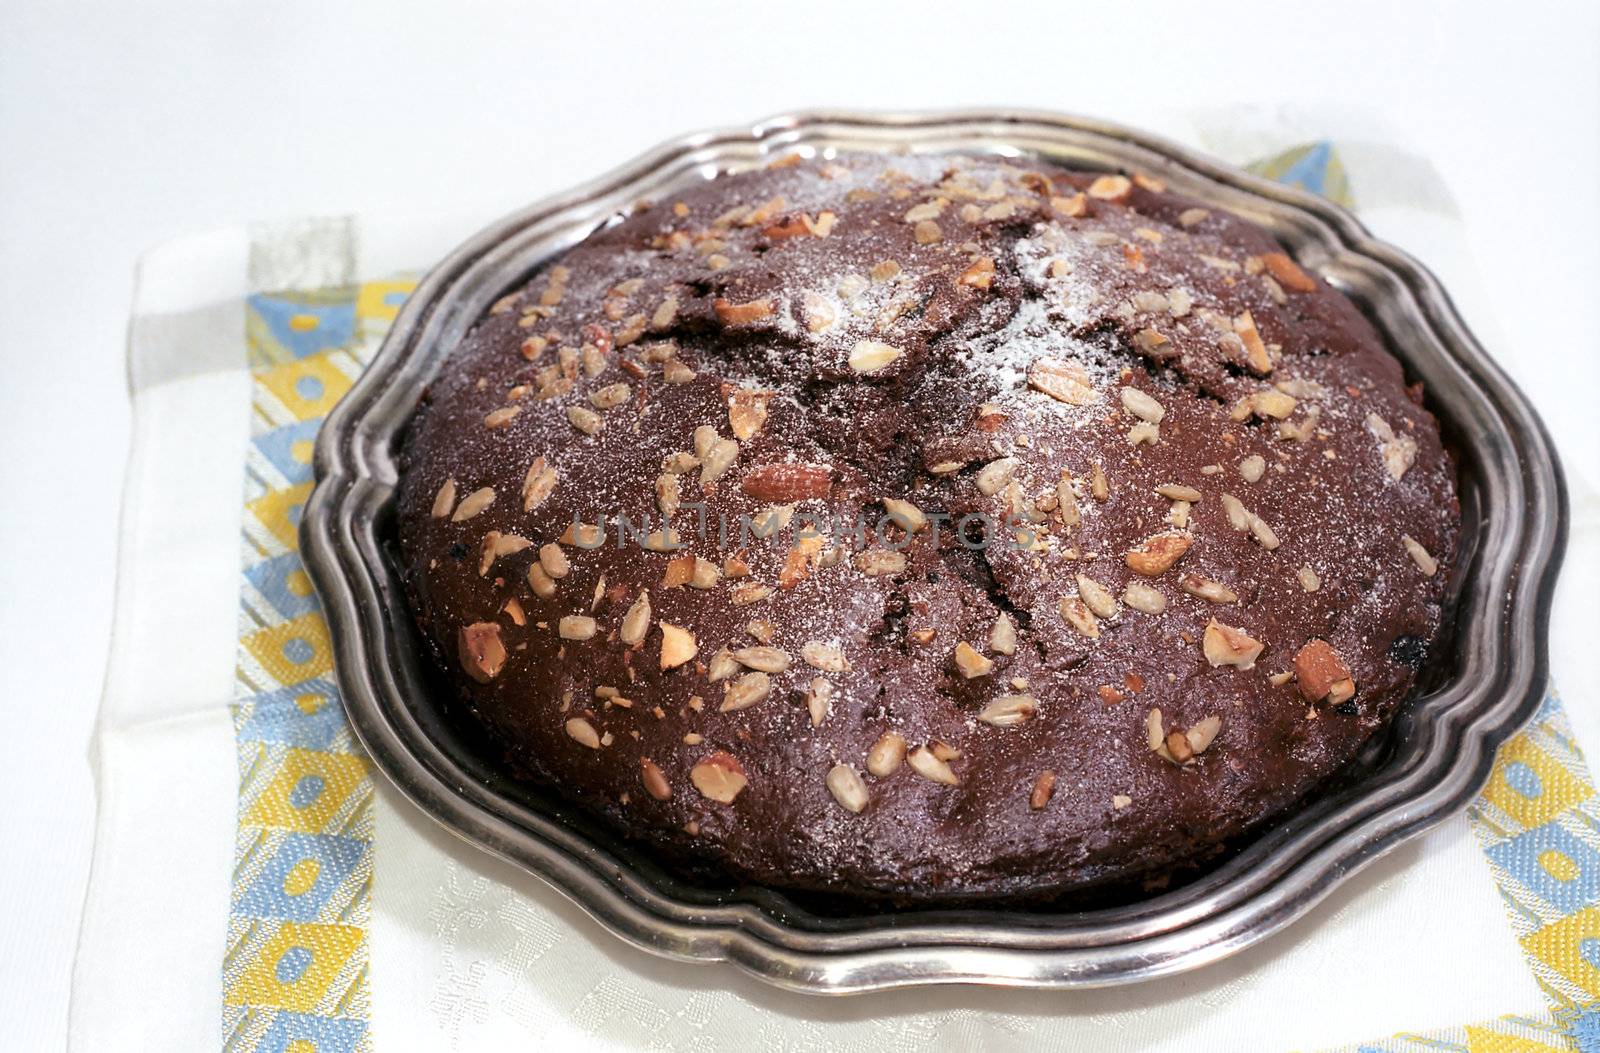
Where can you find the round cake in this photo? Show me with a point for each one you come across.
(930, 529)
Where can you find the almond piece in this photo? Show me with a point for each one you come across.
(1141, 405)
(969, 663)
(1080, 617)
(636, 623)
(907, 515)
(1225, 645)
(979, 274)
(1320, 672)
(445, 500)
(677, 645)
(847, 787)
(1143, 597)
(741, 313)
(819, 700)
(583, 733)
(1255, 351)
(869, 356)
(1288, 273)
(1155, 554)
(654, 779)
(538, 484)
(1096, 596)
(720, 777)
(1008, 711)
(747, 411)
(1064, 381)
(473, 503)
(785, 483)
(763, 659)
(886, 754)
(1206, 589)
(576, 627)
(825, 656)
(1420, 556)
(745, 692)
(930, 767)
(1003, 635)
(1113, 188)
(1044, 787)
(482, 652)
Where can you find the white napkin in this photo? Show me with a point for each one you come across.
(469, 953)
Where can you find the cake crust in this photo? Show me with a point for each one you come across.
(1208, 528)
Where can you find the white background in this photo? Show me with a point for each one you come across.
(123, 125)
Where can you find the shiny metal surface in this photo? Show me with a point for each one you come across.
(1477, 691)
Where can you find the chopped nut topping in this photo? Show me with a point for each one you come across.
(1308, 579)
(994, 476)
(825, 656)
(1206, 589)
(445, 499)
(876, 562)
(1003, 635)
(969, 663)
(482, 652)
(1009, 711)
(1225, 645)
(677, 645)
(1113, 188)
(1256, 357)
(819, 700)
(750, 593)
(1425, 562)
(1044, 787)
(585, 420)
(886, 754)
(1071, 207)
(636, 623)
(537, 485)
(1096, 596)
(927, 233)
(1178, 492)
(732, 314)
(1253, 467)
(747, 411)
(1399, 451)
(745, 692)
(847, 787)
(1288, 273)
(1064, 381)
(1143, 597)
(1155, 554)
(583, 733)
(869, 356)
(930, 767)
(1320, 673)
(576, 627)
(473, 503)
(906, 514)
(655, 781)
(784, 482)
(764, 659)
(717, 459)
(542, 584)
(1078, 615)
(979, 274)
(720, 777)
(554, 560)
(1141, 405)
(1099, 488)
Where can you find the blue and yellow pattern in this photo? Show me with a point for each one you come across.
(295, 971)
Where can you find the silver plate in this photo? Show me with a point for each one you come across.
(1479, 688)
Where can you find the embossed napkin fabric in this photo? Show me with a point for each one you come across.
(257, 887)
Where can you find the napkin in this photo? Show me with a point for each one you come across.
(256, 886)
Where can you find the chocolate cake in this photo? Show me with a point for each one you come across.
(928, 528)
